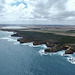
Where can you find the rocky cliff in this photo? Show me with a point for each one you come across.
(53, 42)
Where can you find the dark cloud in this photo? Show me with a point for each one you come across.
(42, 10)
(52, 9)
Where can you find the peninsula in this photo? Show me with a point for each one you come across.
(55, 39)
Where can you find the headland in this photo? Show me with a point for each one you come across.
(56, 38)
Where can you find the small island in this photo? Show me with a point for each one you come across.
(54, 42)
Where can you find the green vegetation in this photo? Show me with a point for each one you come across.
(39, 36)
(71, 31)
(55, 31)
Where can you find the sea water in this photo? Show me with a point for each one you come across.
(26, 59)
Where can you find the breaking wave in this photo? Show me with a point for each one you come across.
(69, 57)
(42, 52)
(10, 39)
(31, 45)
(5, 35)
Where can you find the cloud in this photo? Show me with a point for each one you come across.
(60, 10)
(17, 12)
(71, 5)
(51, 11)
(49, 8)
(2, 4)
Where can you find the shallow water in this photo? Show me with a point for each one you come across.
(26, 59)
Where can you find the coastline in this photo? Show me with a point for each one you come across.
(54, 42)
(69, 57)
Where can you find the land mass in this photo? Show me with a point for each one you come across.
(53, 40)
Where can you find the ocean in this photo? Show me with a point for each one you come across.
(26, 59)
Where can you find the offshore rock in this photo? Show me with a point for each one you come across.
(70, 50)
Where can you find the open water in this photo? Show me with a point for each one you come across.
(26, 59)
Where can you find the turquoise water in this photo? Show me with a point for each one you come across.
(25, 59)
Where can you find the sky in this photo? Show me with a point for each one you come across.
(37, 12)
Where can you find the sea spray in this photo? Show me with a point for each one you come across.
(69, 57)
(31, 45)
(61, 53)
(7, 36)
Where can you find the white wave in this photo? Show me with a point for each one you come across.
(71, 59)
(31, 45)
(8, 39)
(42, 52)
(43, 46)
(6, 32)
(61, 53)
(5, 35)
(11, 39)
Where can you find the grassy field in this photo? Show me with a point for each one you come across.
(69, 31)
(39, 36)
